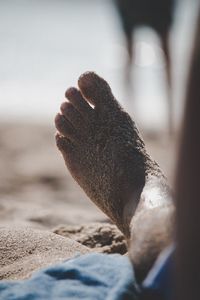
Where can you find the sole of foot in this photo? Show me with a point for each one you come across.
(102, 148)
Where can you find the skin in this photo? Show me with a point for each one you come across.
(105, 154)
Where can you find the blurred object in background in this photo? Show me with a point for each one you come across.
(187, 185)
(157, 14)
(46, 45)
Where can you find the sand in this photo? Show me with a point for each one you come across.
(24, 250)
(39, 201)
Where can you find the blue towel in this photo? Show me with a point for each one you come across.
(91, 276)
(159, 283)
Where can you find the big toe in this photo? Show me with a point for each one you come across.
(97, 91)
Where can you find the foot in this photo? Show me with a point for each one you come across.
(102, 149)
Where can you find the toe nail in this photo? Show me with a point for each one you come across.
(70, 92)
(57, 118)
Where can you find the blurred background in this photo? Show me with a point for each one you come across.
(44, 46)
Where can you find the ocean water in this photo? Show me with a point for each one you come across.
(46, 44)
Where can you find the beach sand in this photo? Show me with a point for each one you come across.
(37, 192)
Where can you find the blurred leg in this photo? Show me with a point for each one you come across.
(166, 50)
(187, 188)
(130, 58)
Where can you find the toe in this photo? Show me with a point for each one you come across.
(75, 97)
(65, 128)
(63, 143)
(97, 91)
(72, 115)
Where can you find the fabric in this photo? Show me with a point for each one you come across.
(94, 276)
(91, 276)
(159, 282)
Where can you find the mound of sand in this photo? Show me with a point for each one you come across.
(24, 250)
(100, 237)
